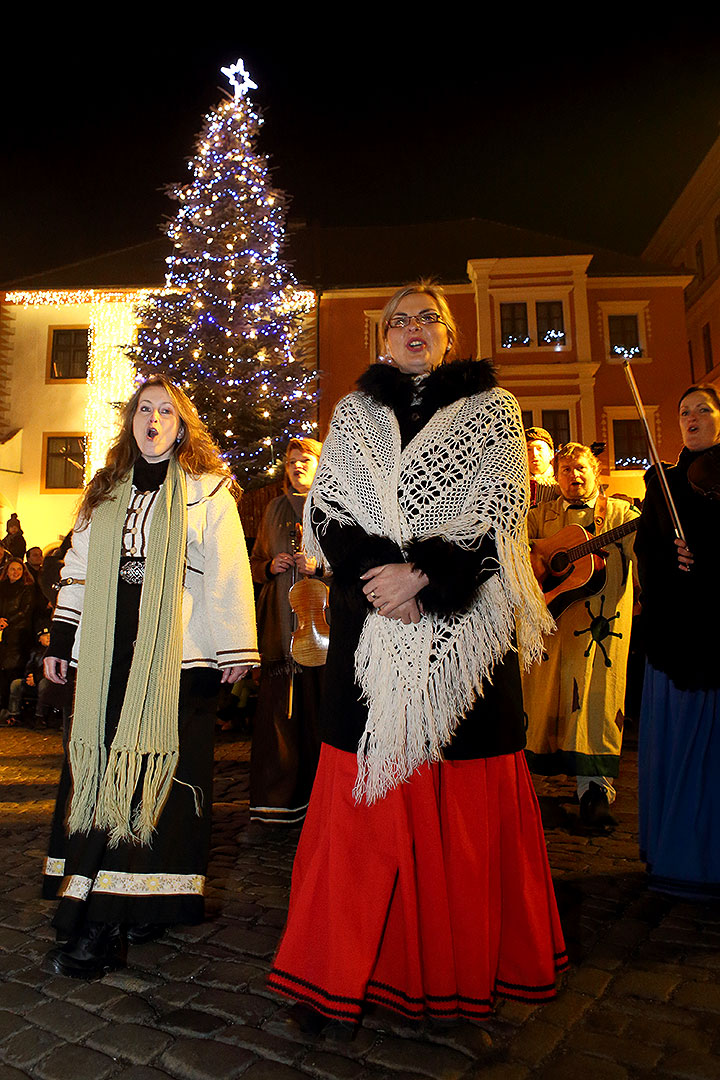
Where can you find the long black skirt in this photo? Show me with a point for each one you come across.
(285, 748)
(160, 882)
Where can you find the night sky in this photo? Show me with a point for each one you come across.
(589, 135)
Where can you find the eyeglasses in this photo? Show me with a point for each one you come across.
(425, 318)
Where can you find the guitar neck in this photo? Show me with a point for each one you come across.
(596, 543)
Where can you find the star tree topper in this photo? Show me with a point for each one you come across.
(242, 84)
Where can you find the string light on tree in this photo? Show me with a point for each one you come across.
(231, 334)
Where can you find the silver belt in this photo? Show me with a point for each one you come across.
(133, 571)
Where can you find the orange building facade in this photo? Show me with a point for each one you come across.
(558, 336)
(557, 324)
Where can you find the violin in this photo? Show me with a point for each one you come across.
(704, 473)
(309, 600)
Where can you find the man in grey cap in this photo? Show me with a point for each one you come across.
(541, 450)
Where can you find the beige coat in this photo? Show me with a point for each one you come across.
(574, 697)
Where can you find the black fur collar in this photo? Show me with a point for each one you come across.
(445, 384)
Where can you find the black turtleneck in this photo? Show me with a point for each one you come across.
(149, 475)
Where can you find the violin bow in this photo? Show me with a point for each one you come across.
(669, 501)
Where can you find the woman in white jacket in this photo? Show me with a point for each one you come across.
(156, 610)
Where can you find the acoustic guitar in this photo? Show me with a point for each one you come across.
(574, 569)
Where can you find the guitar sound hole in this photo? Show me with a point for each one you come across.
(559, 563)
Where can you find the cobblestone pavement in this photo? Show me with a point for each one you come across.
(642, 998)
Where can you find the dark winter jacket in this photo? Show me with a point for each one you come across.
(680, 609)
(495, 724)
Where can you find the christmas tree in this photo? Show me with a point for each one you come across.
(227, 327)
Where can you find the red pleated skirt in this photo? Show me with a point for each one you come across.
(433, 901)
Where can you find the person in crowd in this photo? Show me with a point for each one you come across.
(16, 625)
(42, 609)
(540, 451)
(156, 610)
(34, 561)
(679, 739)
(421, 879)
(33, 684)
(59, 695)
(574, 697)
(285, 740)
(14, 540)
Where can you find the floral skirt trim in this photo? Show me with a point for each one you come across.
(120, 882)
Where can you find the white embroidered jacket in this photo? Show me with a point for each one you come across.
(218, 609)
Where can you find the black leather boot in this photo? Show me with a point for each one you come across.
(95, 950)
(312, 1022)
(139, 933)
(595, 808)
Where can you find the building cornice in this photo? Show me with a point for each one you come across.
(387, 290)
(680, 280)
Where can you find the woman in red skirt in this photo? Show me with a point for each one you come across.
(421, 880)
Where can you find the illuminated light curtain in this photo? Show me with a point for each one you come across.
(111, 374)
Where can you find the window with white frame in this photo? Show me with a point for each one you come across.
(63, 461)
(624, 335)
(557, 416)
(373, 334)
(68, 350)
(625, 329)
(514, 325)
(550, 322)
(626, 439)
(531, 318)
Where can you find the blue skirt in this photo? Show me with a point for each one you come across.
(679, 767)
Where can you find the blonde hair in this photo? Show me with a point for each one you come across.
(305, 446)
(195, 451)
(575, 450)
(425, 287)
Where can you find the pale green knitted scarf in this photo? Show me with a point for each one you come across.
(144, 752)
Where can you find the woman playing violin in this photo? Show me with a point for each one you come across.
(679, 752)
(285, 743)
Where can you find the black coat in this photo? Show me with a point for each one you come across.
(495, 724)
(16, 605)
(680, 609)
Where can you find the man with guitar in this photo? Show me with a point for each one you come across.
(582, 555)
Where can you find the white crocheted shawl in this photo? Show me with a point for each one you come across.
(463, 474)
